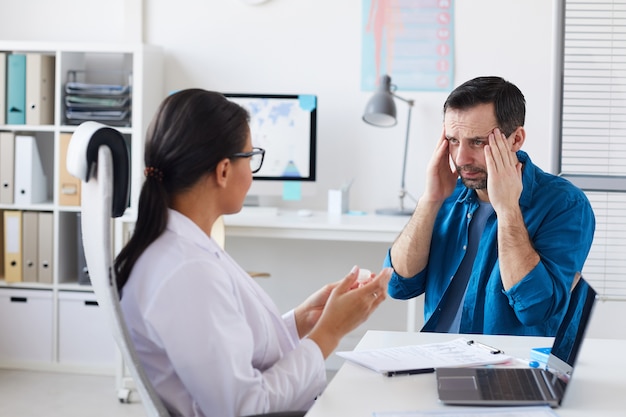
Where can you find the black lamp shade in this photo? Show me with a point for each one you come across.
(381, 108)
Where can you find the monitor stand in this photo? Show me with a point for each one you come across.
(251, 201)
(252, 205)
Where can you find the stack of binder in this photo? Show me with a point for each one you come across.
(106, 103)
(26, 88)
(27, 246)
(23, 180)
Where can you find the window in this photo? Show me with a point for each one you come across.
(593, 129)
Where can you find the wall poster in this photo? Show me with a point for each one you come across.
(412, 41)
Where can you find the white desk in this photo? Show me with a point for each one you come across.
(597, 388)
(252, 222)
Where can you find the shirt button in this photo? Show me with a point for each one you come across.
(469, 215)
(464, 247)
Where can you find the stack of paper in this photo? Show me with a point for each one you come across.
(416, 358)
(106, 103)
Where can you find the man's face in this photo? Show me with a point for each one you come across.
(467, 132)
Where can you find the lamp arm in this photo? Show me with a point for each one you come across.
(406, 100)
(406, 148)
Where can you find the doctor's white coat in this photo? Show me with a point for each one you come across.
(211, 340)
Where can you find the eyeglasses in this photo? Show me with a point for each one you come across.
(256, 158)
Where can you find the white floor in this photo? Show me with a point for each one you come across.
(53, 394)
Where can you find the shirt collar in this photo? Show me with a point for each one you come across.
(529, 172)
(184, 227)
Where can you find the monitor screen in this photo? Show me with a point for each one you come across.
(285, 126)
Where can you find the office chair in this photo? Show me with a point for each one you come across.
(98, 156)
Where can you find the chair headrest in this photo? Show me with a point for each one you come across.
(82, 156)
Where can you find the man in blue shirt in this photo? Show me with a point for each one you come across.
(495, 242)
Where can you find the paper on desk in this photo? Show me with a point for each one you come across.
(434, 355)
(534, 411)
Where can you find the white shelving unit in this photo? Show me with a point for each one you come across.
(58, 326)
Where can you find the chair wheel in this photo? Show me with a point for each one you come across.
(124, 396)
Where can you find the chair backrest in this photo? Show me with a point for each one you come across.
(98, 156)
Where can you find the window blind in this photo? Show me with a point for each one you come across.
(593, 130)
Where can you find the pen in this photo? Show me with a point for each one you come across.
(491, 349)
(411, 372)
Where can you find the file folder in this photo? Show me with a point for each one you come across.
(69, 185)
(12, 246)
(7, 158)
(30, 179)
(1, 245)
(39, 89)
(16, 89)
(30, 232)
(45, 247)
(3, 87)
(83, 272)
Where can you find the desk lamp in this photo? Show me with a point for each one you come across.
(381, 111)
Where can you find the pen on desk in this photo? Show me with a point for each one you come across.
(491, 349)
(411, 372)
(345, 187)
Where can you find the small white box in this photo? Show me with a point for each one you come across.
(84, 334)
(26, 323)
(338, 201)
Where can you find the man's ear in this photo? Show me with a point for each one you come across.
(519, 136)
(222, 172)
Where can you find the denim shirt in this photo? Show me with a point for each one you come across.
(560, 224)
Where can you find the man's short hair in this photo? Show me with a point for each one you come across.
(508, 100)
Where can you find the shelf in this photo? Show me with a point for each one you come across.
(144, 62)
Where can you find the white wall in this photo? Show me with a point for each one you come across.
(313, 46)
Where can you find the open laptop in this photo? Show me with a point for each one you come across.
(525, 386)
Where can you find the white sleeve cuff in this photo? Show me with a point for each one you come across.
(290, 321)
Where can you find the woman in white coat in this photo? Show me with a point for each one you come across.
(211, 340)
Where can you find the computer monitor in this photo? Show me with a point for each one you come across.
(286, 127)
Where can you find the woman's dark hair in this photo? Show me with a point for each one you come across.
(508, 100)
(191, 132)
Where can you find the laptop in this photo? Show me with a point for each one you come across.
(525, 386)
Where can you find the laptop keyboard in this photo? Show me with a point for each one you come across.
(508, 384)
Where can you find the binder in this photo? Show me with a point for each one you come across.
(1, 245)
(16, 89)
(12, 246)
(3, 87)
(69, 185)
(83, 272)
(45, 247)
(7, 158)
(39, 89)
(30, 231)
(30, 179)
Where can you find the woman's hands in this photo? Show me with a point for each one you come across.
(338, 308)
(308, 313)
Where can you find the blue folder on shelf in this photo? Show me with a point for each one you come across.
(16, 89)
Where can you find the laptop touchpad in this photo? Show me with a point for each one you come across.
(457, 383)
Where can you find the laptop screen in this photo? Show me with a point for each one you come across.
(570, 334)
